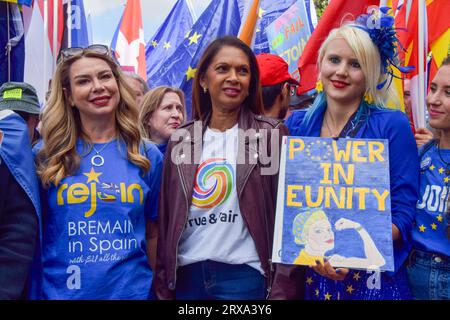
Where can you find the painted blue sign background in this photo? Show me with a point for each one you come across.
(304, 169)
(288, 35)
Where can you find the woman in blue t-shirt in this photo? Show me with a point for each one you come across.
(162, 111)
(429, 264)
(100, 184)
(354, 63)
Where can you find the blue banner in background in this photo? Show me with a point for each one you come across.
(17, 40)
(167, 38)
(269, 11)
(288, 35)
(78, 25)
(220, 18)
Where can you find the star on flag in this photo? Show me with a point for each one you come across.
(350, 289)
(327, 296)
(167, 45)
(356, 276)
(309, 280)
(190, 73)
(439, 218)
(432, 167)
(154, 43)
(422, 228)
(441, 170)
(433, 226)
(261, 12)
(194, 38)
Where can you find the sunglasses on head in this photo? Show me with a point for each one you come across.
(76, 51)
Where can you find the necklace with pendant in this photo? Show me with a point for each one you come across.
(329, 129)
(98, 160)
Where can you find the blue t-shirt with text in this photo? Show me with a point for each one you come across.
(94, 227)
(430, 222)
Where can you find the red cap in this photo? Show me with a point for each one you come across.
(273, 70)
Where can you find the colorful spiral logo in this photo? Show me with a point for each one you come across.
(213, 183)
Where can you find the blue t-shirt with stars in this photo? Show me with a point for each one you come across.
(430, 221)
(94, 227)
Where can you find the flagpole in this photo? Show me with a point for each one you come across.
(8, 44)
(421, 75)
(44, 74)
(69, 24)
(55, 33)
(191, 9)
(247, 32)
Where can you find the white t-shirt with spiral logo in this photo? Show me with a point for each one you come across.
(215, 229)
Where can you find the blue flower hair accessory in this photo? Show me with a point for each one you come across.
(380, 27)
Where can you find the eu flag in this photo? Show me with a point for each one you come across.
(14, 66)
(220, 18)
(167, 38)
(78, 25)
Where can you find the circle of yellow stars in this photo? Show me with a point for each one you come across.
(166, 45)
(439, 218)
(318, 143)
(433, 226)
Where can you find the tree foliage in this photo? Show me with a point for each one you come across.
(320, 7)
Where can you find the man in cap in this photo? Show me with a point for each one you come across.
(276, 84)
(19, 193)
(299, 102)
(21, 98)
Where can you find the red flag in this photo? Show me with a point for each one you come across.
(334, 14)
(438, 25)
(130, 45)
(41, 50)
(436, 42)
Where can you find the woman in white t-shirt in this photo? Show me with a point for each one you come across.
(218, 192)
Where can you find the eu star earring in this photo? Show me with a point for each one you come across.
(205, 89)
(368, 98)
(319, 86)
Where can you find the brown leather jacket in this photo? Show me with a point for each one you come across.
(256, 194)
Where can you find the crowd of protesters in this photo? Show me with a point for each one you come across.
(112, 197)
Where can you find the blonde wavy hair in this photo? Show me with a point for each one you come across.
(61, 125)
(368, 57)
(150, 103)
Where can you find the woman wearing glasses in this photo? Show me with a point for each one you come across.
(100, 184)
(429, 265)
